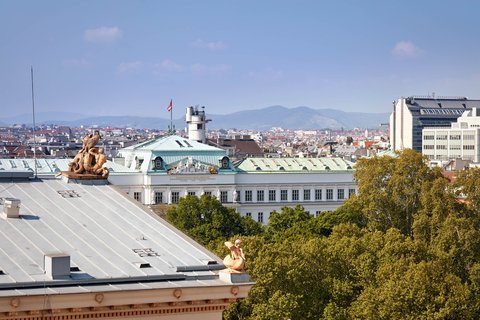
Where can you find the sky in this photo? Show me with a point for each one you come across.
(99, 57)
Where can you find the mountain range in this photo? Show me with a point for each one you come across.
(259, 119)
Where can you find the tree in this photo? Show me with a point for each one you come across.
(390, 189)
(206, 219)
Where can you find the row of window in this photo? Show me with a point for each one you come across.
(451, 147)
(272, 195)
(261, 220)
(452, 137)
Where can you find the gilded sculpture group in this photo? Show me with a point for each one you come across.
(90, 159)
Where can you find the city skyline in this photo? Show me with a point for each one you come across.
(130, 58)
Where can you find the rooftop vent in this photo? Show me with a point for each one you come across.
(57, 265)
(11, 208)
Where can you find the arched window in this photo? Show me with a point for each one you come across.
(158, 163)
(225, 163)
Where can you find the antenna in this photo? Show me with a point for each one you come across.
(34, 136)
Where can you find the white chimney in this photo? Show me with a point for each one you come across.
(57, 265)
(11, 208)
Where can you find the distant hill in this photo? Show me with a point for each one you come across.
(260, 119)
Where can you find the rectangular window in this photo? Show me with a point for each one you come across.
(306, 194)
(137, 196)
(295, 195)
(248, 195)
(272, 195)
(260, 195)
(329, 194)
(223, 196)
(351, 192)
(283, 195)
(318, 194)
(260, 217)
(158, 197)
(340, 194)
(317, 213)
(175, 196)
(192, 193)
(208, 193)
(248, 214)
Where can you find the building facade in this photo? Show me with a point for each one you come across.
(413, 114)
(460, 141)
(171, 167)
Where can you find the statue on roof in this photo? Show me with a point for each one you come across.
(235, 261)
(90, 159)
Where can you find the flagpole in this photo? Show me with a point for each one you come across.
(171, 116)
(34, 136)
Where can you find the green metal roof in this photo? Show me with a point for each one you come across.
(294, 164)
(173, 143)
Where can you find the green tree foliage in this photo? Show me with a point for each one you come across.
(404, 248)
(390, 188)
(205, 219)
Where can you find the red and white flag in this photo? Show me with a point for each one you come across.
(169, 106)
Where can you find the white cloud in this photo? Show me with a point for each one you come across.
(406, 49)
(103, 34)
(202, 69)
(267, 74)
(129, 67)
(210, 45)
(168, 65)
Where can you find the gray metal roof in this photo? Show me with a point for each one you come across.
(106, 234)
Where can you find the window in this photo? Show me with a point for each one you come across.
(468, 147)
(283, 195)
(329, 194)
(455, 137)
(351, 192)
(192, 193)
(158, 197)
(441, 137)
(199, 126)
(158, 163)
(223, 196)
(248, 214)
(137, 196)
(208, 193)
(340, 194)
(428, 147)
(175, 196)
(272, 195)
(260, 217)
(318, 194)
(441, 147)
(248, 195)
(260, 195)
(306, 194)
(295, 194)
(317, 213)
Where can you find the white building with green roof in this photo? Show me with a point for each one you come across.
(164, 169)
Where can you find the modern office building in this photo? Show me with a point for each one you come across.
(460, 141)
(411, 115)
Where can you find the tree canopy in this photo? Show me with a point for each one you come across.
(407, 247)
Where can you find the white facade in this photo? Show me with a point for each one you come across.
(462, 140)
(413, 114)
(255, 187)
(196, 124)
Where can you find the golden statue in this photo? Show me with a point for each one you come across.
(235, 261)
(90, 160)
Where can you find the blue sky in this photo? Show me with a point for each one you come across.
(132, 57)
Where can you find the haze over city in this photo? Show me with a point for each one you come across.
(131, 58)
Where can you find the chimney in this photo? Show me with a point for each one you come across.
(11, 208)
(57, 265)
